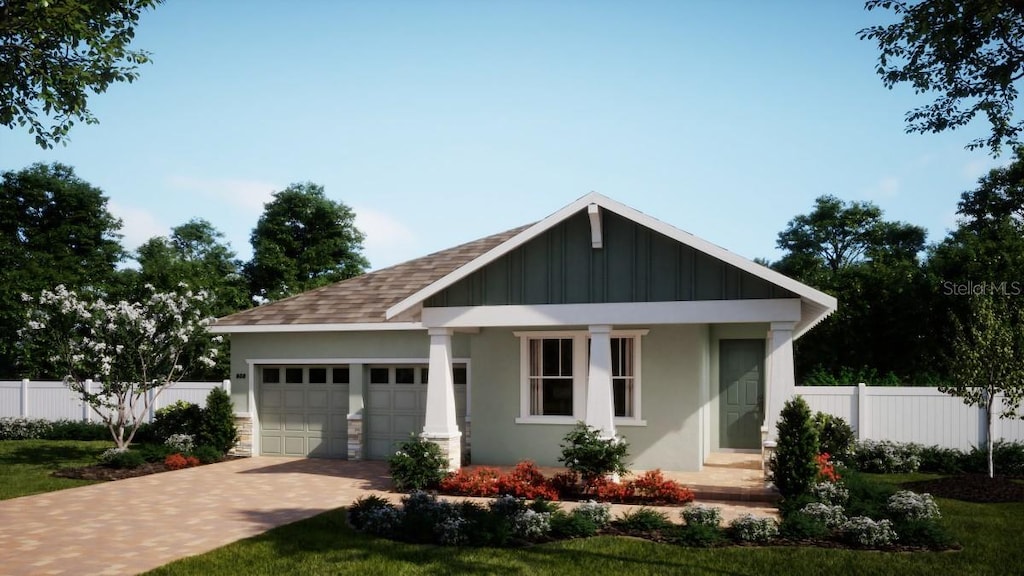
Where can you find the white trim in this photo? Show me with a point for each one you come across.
(820, 304)
(277, 328)
(689, 312)
(596, 238)
(560, 420)
(630, 422)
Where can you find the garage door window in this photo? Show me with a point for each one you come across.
(340, 375)
(318, 375)
(293, 375)
(271, 375)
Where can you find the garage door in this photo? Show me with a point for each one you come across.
(303, 410)
(396, 405)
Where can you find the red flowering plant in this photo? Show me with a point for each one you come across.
(826, 471)
(526, 481)
(482, 481)
(178, 461)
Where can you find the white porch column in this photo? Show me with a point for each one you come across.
(600, 404)
(439, 425)
(781, 380)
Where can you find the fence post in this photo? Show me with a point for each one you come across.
(226, 385)
(152, 404)
(86, 412)
(862, 411)
(24, 397)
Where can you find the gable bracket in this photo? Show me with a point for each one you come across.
(596, 240)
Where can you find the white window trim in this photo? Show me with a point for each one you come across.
(581, 367)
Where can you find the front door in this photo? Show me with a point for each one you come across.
(741, 393)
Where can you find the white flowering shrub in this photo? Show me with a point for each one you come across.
(907, 505)
(450, 529)
(110, 454)
(530, 524)
(832, 516)
(885, 457)
(383, 521)
(700, 515)
(597, 512)
(750, 528)
(128, 348)
(24, 428)
(864, 531)
(182, 443)
(834, 493)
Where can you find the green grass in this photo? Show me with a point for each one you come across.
(990, 534)
(25, 465)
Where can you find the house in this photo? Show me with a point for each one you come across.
(495, 348)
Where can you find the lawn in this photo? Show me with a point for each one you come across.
(325, 544)
(25, 465)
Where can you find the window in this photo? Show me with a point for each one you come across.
(340, 375)
(318, 375)
(271, 375)
(555, 370)
(551, 376)
(293, 375)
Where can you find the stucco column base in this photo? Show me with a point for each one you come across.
(451, 447)
(355, 436)
(243, 422)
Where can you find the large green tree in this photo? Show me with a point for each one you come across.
(54, 229)
(871, 265)
(968, 53)
(302, 241)
(54, 53)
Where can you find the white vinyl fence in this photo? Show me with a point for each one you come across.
(909, 414)
(52, 400)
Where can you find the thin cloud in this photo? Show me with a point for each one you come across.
(137, 224)
(388, 241)
(248, 195)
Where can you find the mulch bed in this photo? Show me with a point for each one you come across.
(972, 488)
(107, 473)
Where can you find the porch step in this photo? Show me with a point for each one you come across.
(766, 495)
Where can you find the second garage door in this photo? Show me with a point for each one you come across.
(396, 404)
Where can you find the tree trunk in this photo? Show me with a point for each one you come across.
(988, 435)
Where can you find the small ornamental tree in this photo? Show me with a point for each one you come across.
(989, 361)
(218, 422)
(592, 457)
(794, 466)
(127, 348)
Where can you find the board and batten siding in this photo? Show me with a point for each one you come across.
(909, 414)
(636, 264)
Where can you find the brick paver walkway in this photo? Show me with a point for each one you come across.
(138, 524)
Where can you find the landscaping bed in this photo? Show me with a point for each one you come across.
(972, 488)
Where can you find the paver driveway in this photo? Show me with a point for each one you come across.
(138, 524)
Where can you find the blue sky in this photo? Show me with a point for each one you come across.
(444, 121)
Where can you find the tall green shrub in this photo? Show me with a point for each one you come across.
(592, 457)
(218, 422)
(793, 465)
(178, 418)
(835, 436)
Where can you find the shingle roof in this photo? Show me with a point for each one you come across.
(365, 298)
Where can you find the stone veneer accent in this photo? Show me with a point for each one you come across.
(450, 447)
(355, 437)
(244, 446)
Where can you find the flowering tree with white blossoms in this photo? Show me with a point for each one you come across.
(126, 348)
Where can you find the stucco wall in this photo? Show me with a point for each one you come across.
(322, 346)
(673, 366)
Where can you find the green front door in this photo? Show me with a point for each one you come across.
(741, 393)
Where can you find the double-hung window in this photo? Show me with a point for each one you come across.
(555, 368)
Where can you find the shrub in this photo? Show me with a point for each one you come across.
(360, 508)
(835, 436)
(531, 524)
(25, 429)
(652, 488)
(384, 521)
(178, 418)
(180, 443)
(885, 457)
(208, 454)
(907, 505)
(793, 463)
(607, 490)
(800, 526)
(482, 481)
(179, 461)
(116, 458)
(1007, 458)
(750, 528)
(926, 533)
(526, 481)
(567, 484)
(941, 460)
(592, 457)
(831, 516)
(643, 520)
(417, 464)
(567, 525)
(868, 497)
(700, 515)
(598, 513)
(217, 426)
(834, 493)
(863, 531)
(155, 452)
(421, 511)
(698, 536)
(77, 430)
